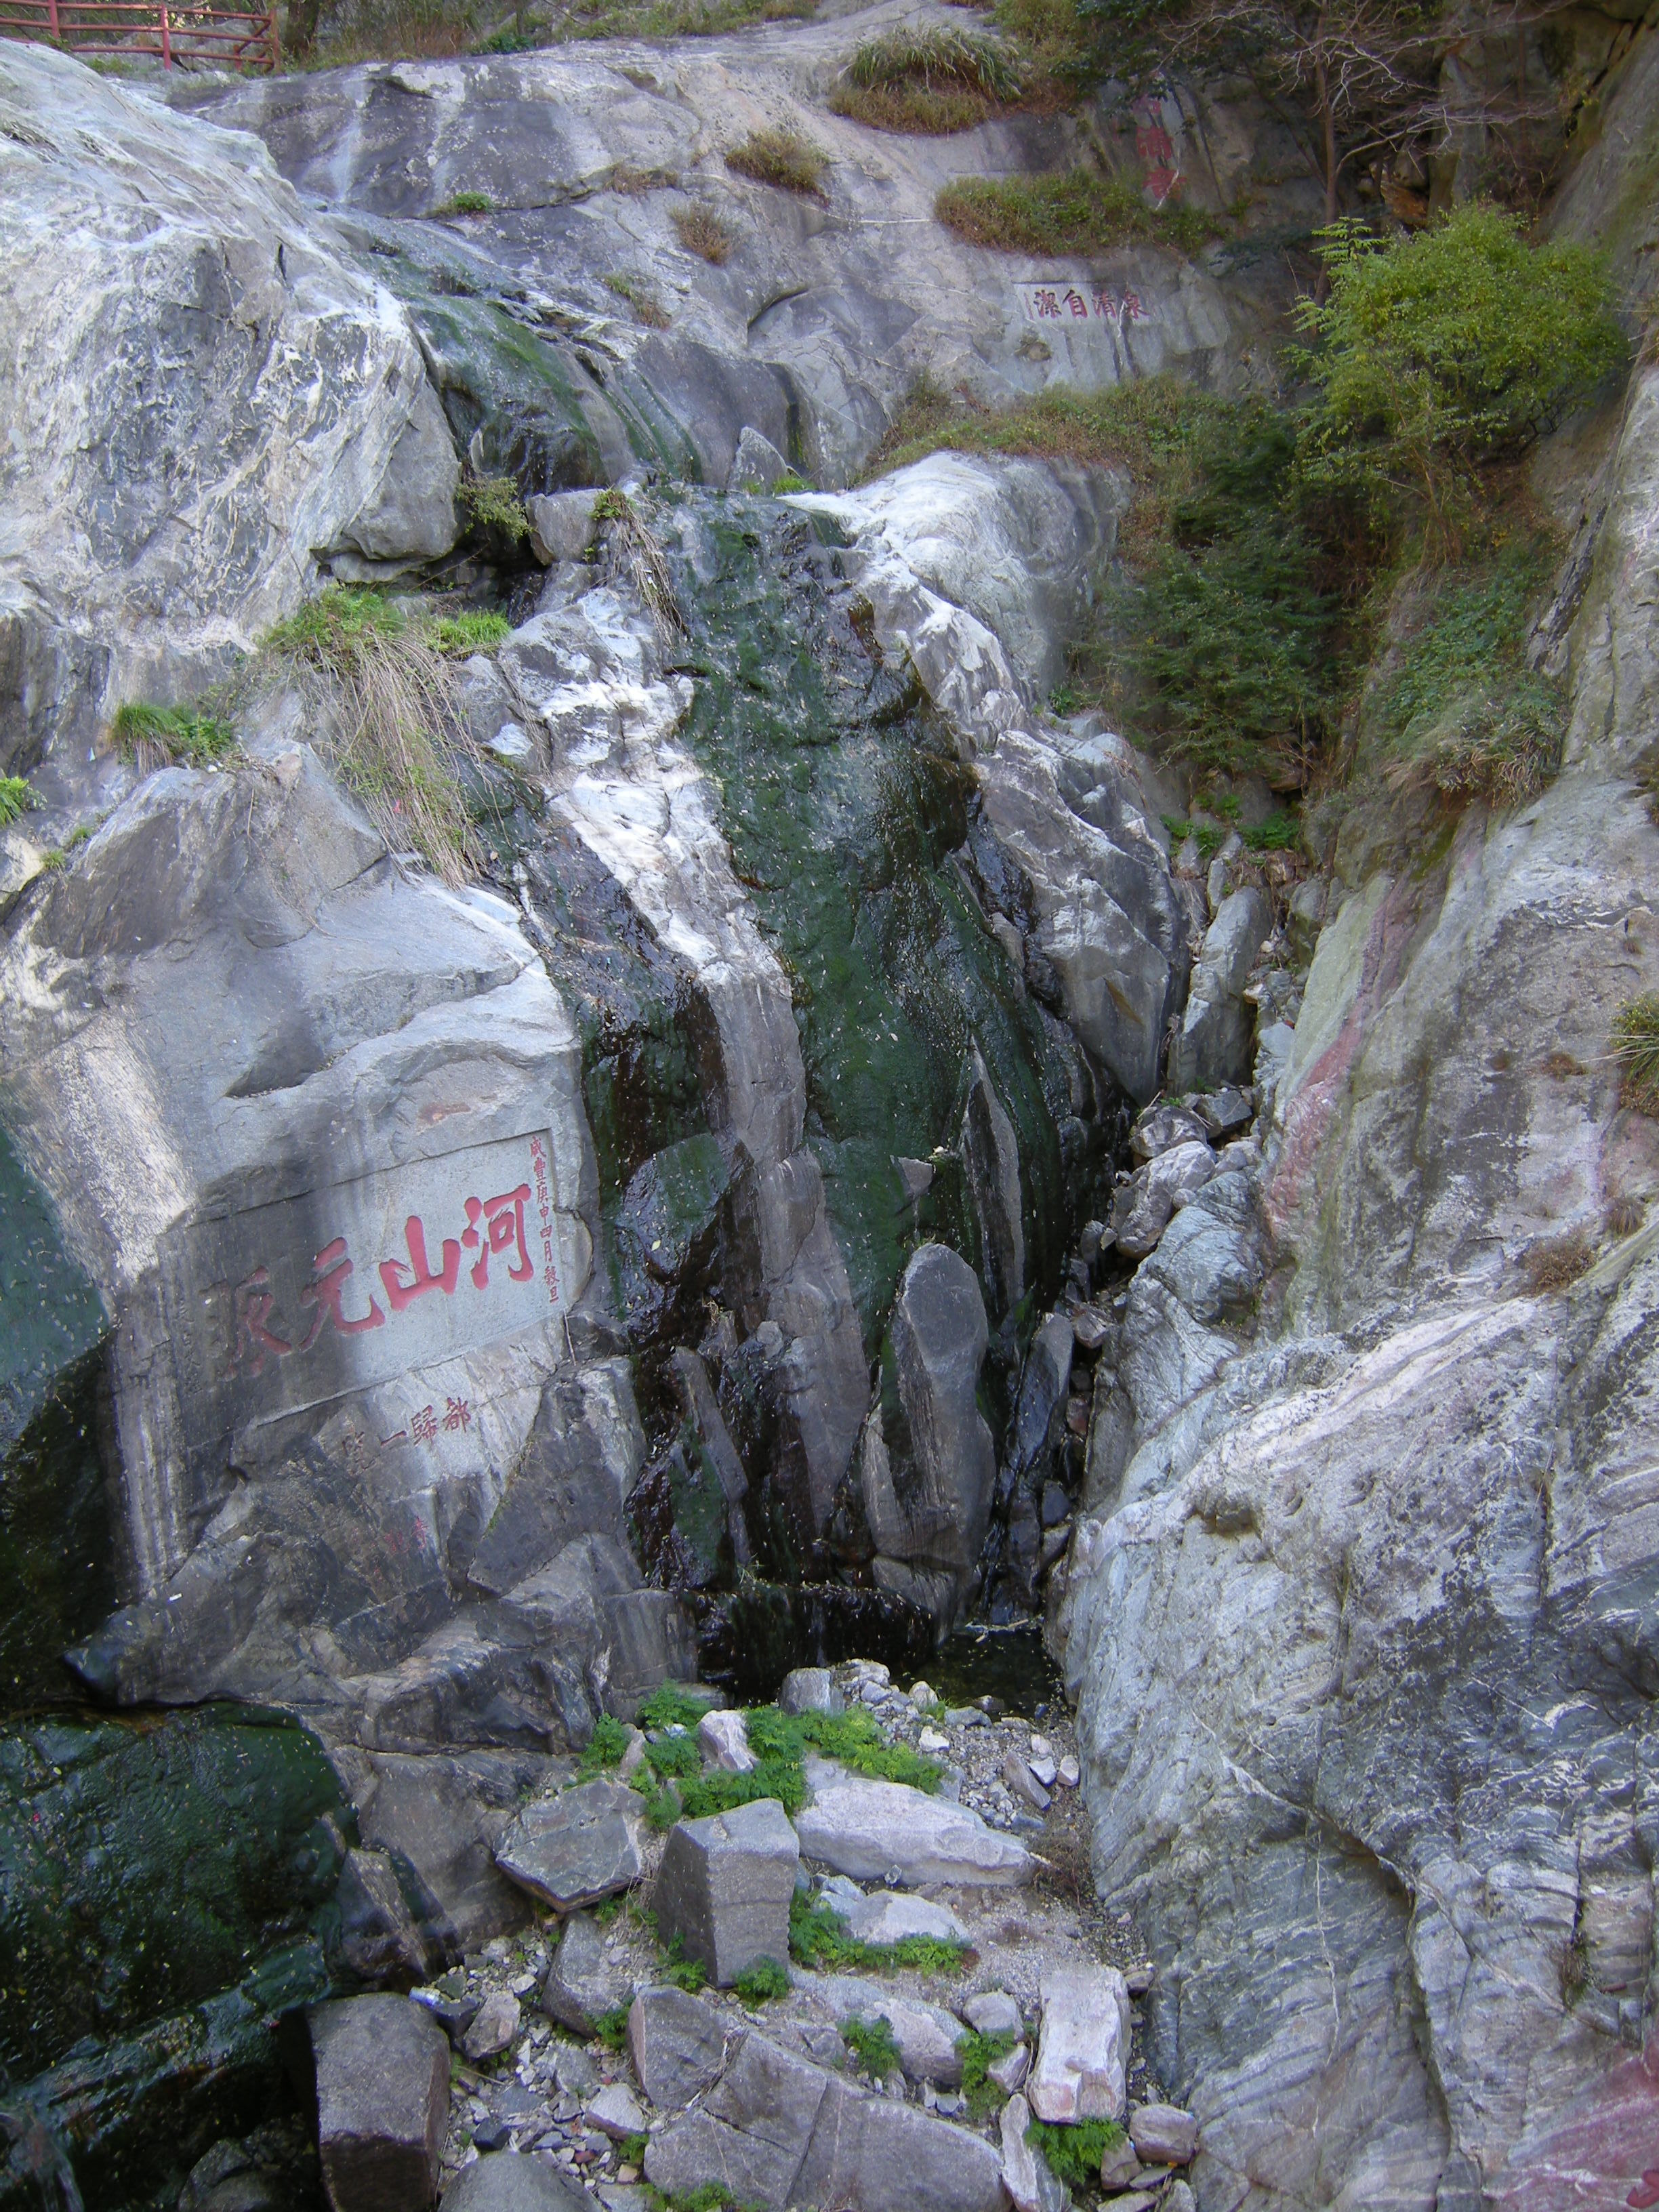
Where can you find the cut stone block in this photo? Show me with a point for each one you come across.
(577, 1847)
(725, 1887)
(1083, 2047)
(382, 2102)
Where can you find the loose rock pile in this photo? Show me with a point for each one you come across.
(666, 2042)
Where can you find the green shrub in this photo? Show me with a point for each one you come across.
(1636, 1048)
(688, 1974)
(469, 633)
(1074, 2151)
(662, 1808)
(782, 158)
(631, 2150)
(17, 796)
(161, 737)
(1078, 211)
(493, 503)
(673, 1756)
(870, 2042)
(818, 1937)
(766, 1980)
(467, 203)
(1227, 631)
(669, 1705)
(604, 1747)
(1461, 712)
(979, 2053)
(1444, 349)
(790, 482)
(610, 2028)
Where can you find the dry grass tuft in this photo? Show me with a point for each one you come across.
(1624, 1216)
(1562, 1065)
(703, 232)
(782, 158)
(632, 542)
(1557, 1262)
(927, 79)
(1079, 212)
(642, 300)
(1636, 1048)
(390, 723)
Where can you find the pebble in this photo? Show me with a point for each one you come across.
(1067, 1773)
(932, 1741)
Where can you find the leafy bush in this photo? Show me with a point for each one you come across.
(766, 1980)
(782, 158)
(673, 1756)
(161, 737)
(610, 2028)
(852, 1737)
(604, 1747)
(1228, 632)
(703, 232)
(493, 503)
(1438, 350)
(1636, 1048)
(1079, 211)
(1461, 713)
(668, 1706)
(1074, 2151)
(17, 796)
(688, 1974)
(979, 2053)
(631, 2150)
(469, 633)
(870, 2042)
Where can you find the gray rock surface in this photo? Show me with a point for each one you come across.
(584, 1981)
(512, 2181)
(872, 1829)
(777, 2130)
(1214, 1044)
(678, 2044)
(1405, 1930)
(1163, 2134)
(725, 1884)
(756, 465)
(930, 1512)
(810, 1690)
(885, 1915)
(380, 1939)
(382, 2102)
(243, 399)
(576, 1847)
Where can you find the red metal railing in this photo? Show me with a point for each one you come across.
(231, 37)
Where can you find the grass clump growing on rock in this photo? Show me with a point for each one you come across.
(17, 796)
(927, 78)
(669, 1706)
(818, 1937)
(492, 503)
(165, 737)
(1078, 211)
(1636, 1048)
(782, 158)
(610, 2028)
(389, 722)
(467, 203)
(640, 297)
(1073, 2152)
(1557, 1262)
(469, 633)
(703, 232)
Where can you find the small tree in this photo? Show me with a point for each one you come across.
(1437, 352)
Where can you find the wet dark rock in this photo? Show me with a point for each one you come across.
(990, 1153)
(379, 1940)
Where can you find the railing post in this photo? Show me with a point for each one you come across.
(56, 35)
(166, 40)
(276, 41)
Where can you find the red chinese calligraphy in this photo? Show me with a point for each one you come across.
(1077, 303)
(329, 1272)
(420, 1274)
(503, 1220)
(255, 1307)
(423, 1428)
(1045, 303)
(545, 1216)
(458, 1414)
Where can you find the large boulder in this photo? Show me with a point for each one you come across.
(382, 2066)
(930, 1512)
(872, 1829)
(205, 397)
(512, 2181)
(576, 1846)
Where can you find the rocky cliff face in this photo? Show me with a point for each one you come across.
(1360, 1621)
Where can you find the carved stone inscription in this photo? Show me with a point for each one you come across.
(289, 1305)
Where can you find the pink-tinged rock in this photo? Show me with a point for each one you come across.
(1083, 2046)
(1163, 2134)
(723, 1740)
